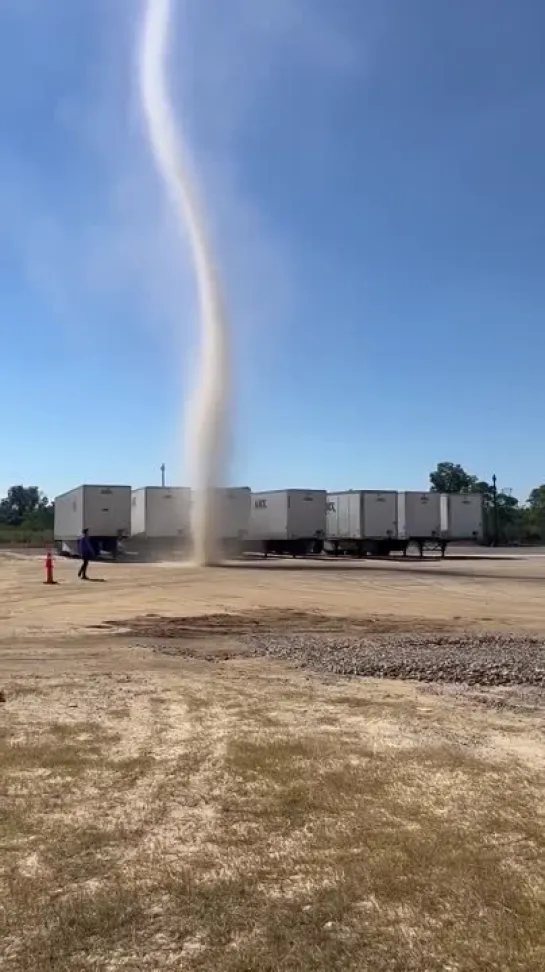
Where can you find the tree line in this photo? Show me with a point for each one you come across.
(26, 509)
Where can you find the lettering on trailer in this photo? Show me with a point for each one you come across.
(331, 508)
(260, 504)
(106, 492)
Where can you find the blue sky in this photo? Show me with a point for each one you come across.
(373, 172)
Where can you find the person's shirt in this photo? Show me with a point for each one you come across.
(85, 548)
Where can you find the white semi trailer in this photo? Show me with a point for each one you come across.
(105, 511)
(161, 517)
(462, 517)
(288, 521)
(362, 522)
(419, 521)
(233, 517)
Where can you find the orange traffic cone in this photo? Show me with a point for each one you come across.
(49, 568)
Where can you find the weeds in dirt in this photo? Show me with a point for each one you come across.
(251, 847)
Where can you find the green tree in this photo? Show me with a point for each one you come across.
(25, 503)
(450, 477)
(535, 514)
(536, 499)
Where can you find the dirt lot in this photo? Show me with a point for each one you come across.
(170, 799)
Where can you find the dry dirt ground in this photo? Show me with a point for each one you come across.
(201, 808)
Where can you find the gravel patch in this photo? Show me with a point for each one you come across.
(470, 659)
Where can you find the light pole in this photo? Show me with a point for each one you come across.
(163, 470)
(495, 508)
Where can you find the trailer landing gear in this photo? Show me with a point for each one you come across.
(427, 543)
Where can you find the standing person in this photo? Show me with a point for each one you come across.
(86, 553)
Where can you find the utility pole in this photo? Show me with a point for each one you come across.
(495, 508)
(163, 470)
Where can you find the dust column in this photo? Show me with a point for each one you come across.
(207, 416)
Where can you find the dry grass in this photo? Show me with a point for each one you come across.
(265, 824)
